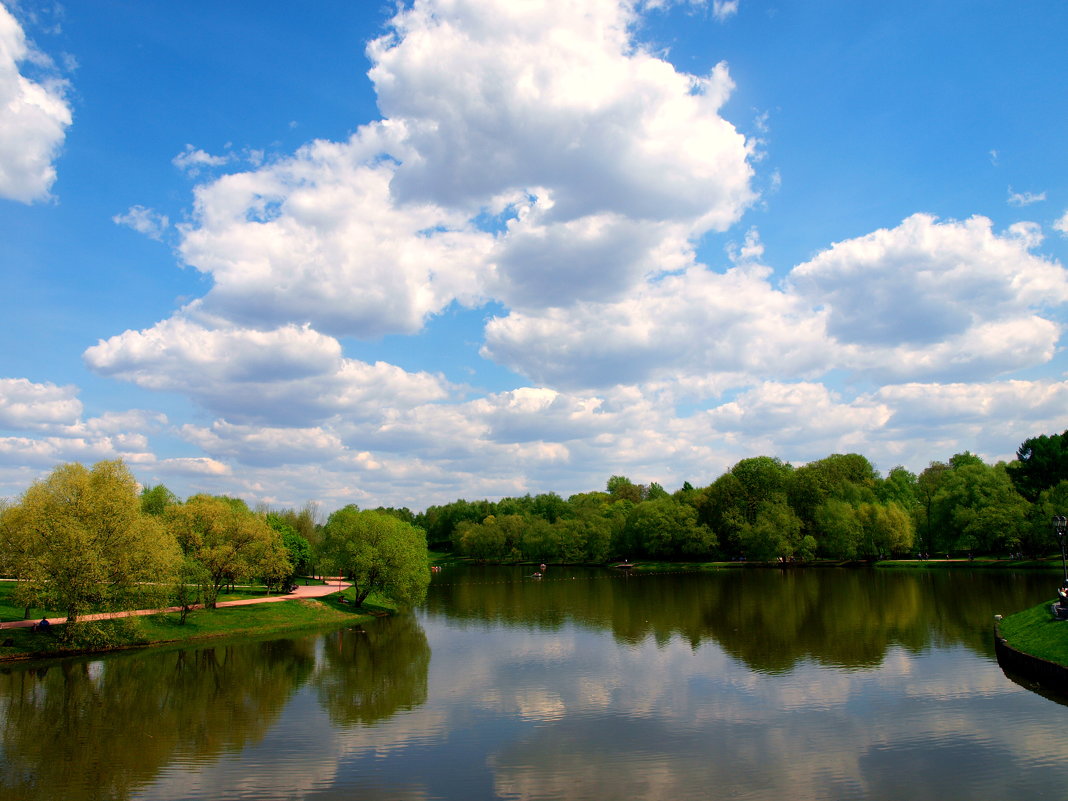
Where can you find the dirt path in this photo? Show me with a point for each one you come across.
(312, 591)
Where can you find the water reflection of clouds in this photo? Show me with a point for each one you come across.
(566, 713)
(307, 754)
(845, 726)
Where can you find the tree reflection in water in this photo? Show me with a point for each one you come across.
(769, 619)
(585, 684)
(103, 729)
(371, 673)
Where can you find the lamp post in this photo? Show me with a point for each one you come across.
(1060, 528)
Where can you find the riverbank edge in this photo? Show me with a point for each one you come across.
(333, 614)
(1014, 659)
(650, 566)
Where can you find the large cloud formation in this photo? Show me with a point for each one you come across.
(535, 155)
(925, 300)
(34, 116)
(527, 152)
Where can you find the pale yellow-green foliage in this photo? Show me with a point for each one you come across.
(228, 541)
(79, 542)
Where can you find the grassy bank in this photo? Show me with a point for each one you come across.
(202, 624)
(1036, 632)
(1051, 563)
(9, 611)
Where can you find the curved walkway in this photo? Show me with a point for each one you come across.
(312, 591)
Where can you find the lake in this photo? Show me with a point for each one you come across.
(585, 684)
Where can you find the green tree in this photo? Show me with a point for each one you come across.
(731, 505)
(402, 513)
(584, 539)
(840, 530)
(79, 542)
(305, 522)
(229, 541)
(898, 486)
(483, 541)
(761, 479)
(189, 581)
(622, 488)
(925, 513)
(379, 553)
(156, 500)
(537, 540)
(977, 508)
(298, 549)
(1041, 463)
(666, 529)
(550, 507)
(887, 529)
(847, 477)
(440, 522)
(654, 492)
(1038, 537)
(774, 534)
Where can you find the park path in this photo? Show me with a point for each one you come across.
(313, 591)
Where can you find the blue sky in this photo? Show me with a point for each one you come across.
(403, 253)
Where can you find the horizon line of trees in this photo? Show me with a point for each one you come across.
(92, 539)
(764, 509)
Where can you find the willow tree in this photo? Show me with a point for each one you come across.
(379, 553)
(79, 542)
(223, 541)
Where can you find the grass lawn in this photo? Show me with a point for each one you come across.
(1036, 632)
(980, 562)
(201, 624)
(8, 611)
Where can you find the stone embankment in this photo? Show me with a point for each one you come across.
(1046, 673)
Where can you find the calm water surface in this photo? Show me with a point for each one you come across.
(588, 684)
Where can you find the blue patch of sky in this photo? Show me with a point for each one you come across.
(875, 112)
(495, 223)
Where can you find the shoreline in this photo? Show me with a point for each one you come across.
(240, 619)
(1027, 651)
(651, 565)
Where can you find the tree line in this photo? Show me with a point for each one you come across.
(764, 509)
(90, 539)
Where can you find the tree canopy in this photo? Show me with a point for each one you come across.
(379, 552)
(79, 541)
(228, 541)
(1041, 463)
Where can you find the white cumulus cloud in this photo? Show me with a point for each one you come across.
(34, 117)
(290, 376)
(529, 152)
(927, 282)
(733, 326)
(26, 405)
